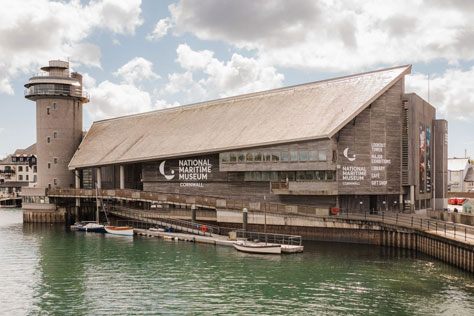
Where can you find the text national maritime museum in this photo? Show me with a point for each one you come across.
(355, 142)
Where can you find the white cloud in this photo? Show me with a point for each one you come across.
(35, 31)
(110, 100)
(334, 35)
(163, 104)
(452, 92)
(135, 70)
(219, 79)
(161, 29)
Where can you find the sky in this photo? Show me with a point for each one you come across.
(139, 56)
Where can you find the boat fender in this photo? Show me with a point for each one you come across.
(203, 229)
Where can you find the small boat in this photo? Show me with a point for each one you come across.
(90, 227)
(119, 230)
(258, 247)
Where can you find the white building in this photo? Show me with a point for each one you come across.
(18, 170)
(460, 175)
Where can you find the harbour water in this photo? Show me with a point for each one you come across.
(47, 270)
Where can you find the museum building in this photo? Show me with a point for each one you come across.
(357, 142)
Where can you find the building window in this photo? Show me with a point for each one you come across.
(293, 156)
(313, 155)
(27, 178)
(249, 157)
(300, 175)
(55, 160)
(267, 157)
(330, 175)
(49, 165)
(26, 168)
(20, 168)
(284, 156)
(49, 185)
(322, 155)
(55, 181)
(49, 140)
(20, 177)
(303, 155)
(257, 157)
(55, 134)
(48, 111)
(233, 157)
(224, 158)
(275, 157)
(241, 158)
(35, 178)
(54, 105)
(13, 159)
(319, 175)
(35, 169)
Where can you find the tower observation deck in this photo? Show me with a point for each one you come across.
(59, 97)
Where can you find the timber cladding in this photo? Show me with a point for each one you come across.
(369, 147)
(202, 176)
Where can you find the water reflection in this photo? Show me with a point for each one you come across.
(60, 272)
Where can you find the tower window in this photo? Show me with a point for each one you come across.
(27, 178)
(55, 134)
(55, 181)
(49, 165)
(49, 139)
(48, 111)
(55, 160)
(54, 105)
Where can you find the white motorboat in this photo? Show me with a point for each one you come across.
(119, 230)
(257, 247)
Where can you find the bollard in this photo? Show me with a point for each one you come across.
(244, 219)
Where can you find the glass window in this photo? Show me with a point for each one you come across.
(49, 139)
(49, 165)
(309, 175)
(48, 111)
(274, 176)
(303, 155)
(248, 176)
(313, 155)
(249, 157)
(319, 175)
(27, 177)
(267, 156)
(14, 159)
(54, 105)
(233, 157)
(322, 155)
(55, 160)
(300, 175)
(284, 156)
(257, 176)
(265, 176)
(225, 157)
(293, 155)
(35, 169)
(257, 156)
(330, 175)
(20, 177)
(55, 134)
(55, 181)
(26, 168)
(20, 168)
(241, 157)
(275, 157)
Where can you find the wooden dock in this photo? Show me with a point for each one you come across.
(217, 240)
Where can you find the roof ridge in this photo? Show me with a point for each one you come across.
(252, 94)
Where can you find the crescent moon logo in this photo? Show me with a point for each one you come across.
(346, 155)
(162, 171)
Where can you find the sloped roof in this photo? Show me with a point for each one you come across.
(308, 111)
(469, 175)
(456, 164)
(31, 150)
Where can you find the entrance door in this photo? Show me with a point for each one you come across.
(373, 204)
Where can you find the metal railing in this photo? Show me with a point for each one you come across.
(166, 222)
(439, 227)
(270, 238)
